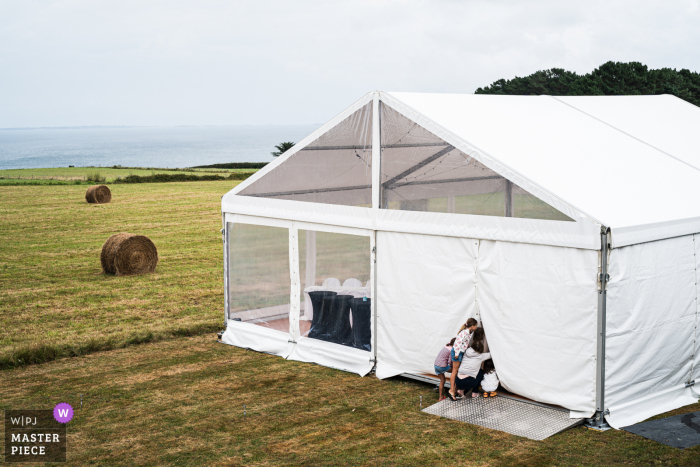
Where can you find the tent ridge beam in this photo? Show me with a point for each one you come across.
(305, 192)
(418, 166)
(448, 180)
(365, 148)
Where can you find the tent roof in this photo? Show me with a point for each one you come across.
(631, 163)
(623, 161)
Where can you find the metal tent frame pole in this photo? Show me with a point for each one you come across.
(598, 421)
(377, 196)
(225, 240)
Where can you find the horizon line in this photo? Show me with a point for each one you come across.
(95, 127)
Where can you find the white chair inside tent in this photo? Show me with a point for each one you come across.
(331, 282)
(352, 282)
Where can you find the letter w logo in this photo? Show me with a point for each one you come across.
(63, 413)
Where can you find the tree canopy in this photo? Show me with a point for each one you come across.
(282, 148)
(609, 79)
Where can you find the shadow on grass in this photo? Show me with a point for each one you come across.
(45, 353)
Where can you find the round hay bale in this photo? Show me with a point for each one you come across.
(98, 194)
(90, 194)
(126, 254)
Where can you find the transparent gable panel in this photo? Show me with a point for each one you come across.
(336, 302)
(421, 172)
(334, 169)
(259, 279)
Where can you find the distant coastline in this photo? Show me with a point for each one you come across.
(143, 146)
(97, 127)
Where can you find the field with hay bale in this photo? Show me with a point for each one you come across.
(178, 398)
(54, 298)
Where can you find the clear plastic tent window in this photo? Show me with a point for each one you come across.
(336, 303)
(421, 172)
(336, 168)
(259, 281)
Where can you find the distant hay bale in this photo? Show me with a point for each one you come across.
(126, 254)
(98, 194)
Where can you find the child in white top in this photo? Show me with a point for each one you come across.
(490, 382)
(470, 374)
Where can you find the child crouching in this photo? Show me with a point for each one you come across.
(490, 382)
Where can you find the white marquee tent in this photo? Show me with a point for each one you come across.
(371, 241)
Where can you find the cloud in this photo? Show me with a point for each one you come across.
(76, 62)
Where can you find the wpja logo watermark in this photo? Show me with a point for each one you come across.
(37, 435)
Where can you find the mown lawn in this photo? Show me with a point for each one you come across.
(56, 302)
(180, 402)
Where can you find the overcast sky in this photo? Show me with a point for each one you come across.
(79, 62)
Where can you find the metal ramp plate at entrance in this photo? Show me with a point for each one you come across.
(512, 416)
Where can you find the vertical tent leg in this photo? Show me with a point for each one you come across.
(373, 294)
(376, 153)
(508, 201)
(225, 233)
(451, 204)
(310, 279)
(598, 421)
(294, 298)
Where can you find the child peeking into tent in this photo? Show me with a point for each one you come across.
(490, 382)
(443, 364)
(470, 372)
(460, 346)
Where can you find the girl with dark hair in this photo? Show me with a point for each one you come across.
(462, 342)
(490, 382)
(470, 373)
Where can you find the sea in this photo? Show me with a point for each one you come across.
(158, 147)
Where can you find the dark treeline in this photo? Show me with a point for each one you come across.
(233, 165)
(610, 79)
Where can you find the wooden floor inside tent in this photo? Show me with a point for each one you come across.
(282, 325)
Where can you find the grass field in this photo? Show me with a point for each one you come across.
(54, 299)
(180, 402)
(177, 399)
(81, 173)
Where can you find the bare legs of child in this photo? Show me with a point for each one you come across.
(453, 377)
(442, 386)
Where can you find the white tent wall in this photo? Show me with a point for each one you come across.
(538, 305)
(539, 308)
(426, 290)
(651, 319)
(332, 355)
(696, 354)
(252, 336)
